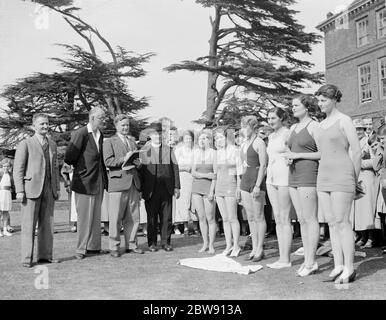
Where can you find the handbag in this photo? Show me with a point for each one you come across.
(359, 190)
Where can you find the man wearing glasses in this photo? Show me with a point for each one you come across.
(85, 153)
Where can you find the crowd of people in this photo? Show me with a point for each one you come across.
(332, 171)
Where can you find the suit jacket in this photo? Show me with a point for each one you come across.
(114, 151)
(82, 153)
(29, 168)
(150, 166)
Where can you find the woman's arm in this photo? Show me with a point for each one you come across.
(260, 148)
(352, 137)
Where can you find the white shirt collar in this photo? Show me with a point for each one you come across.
(41, 138)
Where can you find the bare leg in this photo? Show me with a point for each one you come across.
(252, 217)
(200, 209)
(274, 199)
(210, 217)
(309, 207)
(226, 224)
(285, 207)
(326, 205)
(231, 205)
(341, 203)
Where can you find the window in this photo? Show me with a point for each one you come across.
(362, 32)
(364, 83)
(382, 77)
(381, 23)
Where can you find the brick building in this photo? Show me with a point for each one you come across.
(355, 47)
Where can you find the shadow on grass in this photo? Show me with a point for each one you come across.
(375, 262)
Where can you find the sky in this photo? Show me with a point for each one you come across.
(175, 30)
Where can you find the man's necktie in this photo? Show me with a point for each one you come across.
(47, 157)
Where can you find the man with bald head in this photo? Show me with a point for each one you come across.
(85, 154)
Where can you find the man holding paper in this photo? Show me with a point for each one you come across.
(121, 158)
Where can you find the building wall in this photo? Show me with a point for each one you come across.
(343, 57)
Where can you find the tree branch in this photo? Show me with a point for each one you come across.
(90, 44)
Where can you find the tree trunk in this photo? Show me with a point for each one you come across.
(213, 62)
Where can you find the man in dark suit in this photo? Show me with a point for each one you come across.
(160, 181)
(36, 177)
(85, 154)
(124, 188)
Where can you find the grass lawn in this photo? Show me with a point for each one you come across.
(158, 276)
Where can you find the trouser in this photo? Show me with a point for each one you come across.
(159, 205)
(41, 211)
(123, 209)
(88, 208)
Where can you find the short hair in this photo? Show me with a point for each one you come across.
(95, 110)
(6, 161)
(208, 133)
(39, 115)
(280, 112)
(330, 91)
(227, 132)
(309, 102)
(120, 117)
(188, 133)
(250, 121)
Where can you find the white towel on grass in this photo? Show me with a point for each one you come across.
(219, 263)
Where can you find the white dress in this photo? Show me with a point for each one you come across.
(5, 195)
(277, 170)
(184, 156)
(365, 208)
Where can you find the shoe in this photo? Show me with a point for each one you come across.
(94, 252)
(227, 252)
(279, 265)
(44, 261)
(115, 253)
(27, 264)
(235, 252)
(105, 233)
(167, 247)
(1, 234)
(360, 243)
(10, 229)
(80, 256)
(349, 279)
(6, 233)
(306, 271)
(73, 229)
(369, 243)
(258, 258)
(334, 275)
(249, 257)
(186, 232)
(299, 252)
(135, 250)
(177, 231)
(300, 268)
(153, 248)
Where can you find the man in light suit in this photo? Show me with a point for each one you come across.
(123, 188)
(36, 177)
(85, 154)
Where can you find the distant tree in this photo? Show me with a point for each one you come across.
(253, 46)
(68, 96)
(86, 81)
